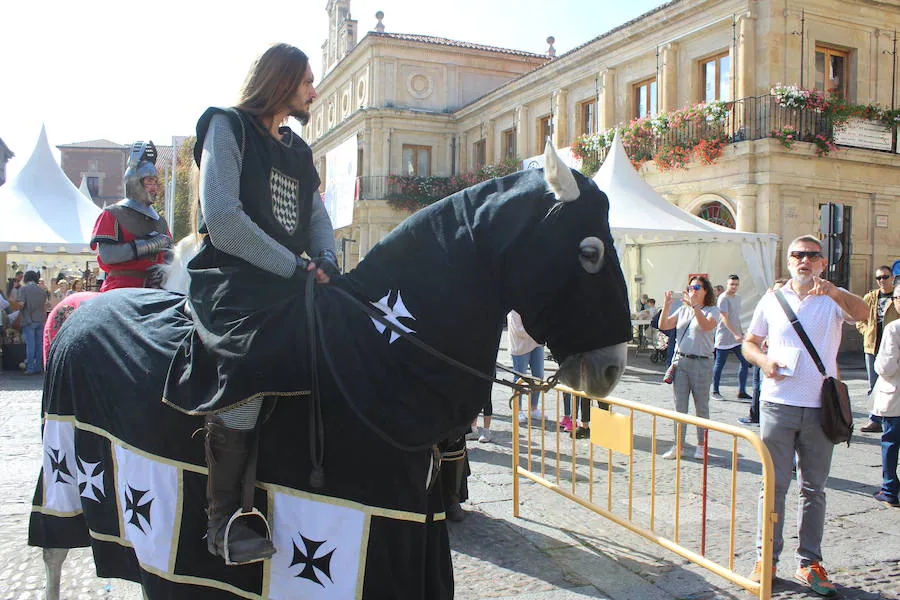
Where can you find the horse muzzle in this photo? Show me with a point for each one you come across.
(596, 372)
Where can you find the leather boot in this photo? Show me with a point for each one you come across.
(454, 471)
(231, 470)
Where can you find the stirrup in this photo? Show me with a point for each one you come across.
(239, 513)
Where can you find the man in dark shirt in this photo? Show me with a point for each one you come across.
(34, 313)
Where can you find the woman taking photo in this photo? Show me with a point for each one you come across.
(695, 323)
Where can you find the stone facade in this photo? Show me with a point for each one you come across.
(102, 162)
(471, 104)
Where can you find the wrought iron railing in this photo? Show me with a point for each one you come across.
(752, 118)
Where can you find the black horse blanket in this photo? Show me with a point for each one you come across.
(123, 473)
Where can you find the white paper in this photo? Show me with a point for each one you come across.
(787, 356)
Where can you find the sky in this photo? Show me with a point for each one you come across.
(125, 71)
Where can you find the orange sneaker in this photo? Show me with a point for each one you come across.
(816, 578)
(756, 575)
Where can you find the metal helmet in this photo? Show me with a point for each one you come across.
(141, 164)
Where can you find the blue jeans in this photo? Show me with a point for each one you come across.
(890, 444)
(872, 375)
(34, 336)
(534, 360)
(721, 358)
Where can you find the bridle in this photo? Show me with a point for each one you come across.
(525, 384)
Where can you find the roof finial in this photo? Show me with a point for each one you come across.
(551, 51)
(379, 27)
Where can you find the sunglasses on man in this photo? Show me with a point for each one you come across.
(882, 277)
(799, 255)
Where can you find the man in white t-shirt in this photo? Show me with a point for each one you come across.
(790, 411)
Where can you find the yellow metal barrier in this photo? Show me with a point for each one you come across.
(615, 432)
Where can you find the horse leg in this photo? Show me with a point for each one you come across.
(53, 562)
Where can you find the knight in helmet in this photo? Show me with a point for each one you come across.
(130, 237)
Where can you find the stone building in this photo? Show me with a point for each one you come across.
(421, 105)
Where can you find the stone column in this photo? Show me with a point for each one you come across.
(490, 154)
(744, 70)
(522, 129)
(560, 103)
(464, 166)
(746, 198)
(667, 87)
(606, 100)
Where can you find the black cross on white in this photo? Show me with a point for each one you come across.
(58, 466)
(90, 480)
(133, 499)
(307, 557)
(393, 311)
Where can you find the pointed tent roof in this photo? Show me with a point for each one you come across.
(42, 211)
(642, 216)
(83, 188)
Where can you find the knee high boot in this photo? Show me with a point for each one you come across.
(453, 471)
(230, 458)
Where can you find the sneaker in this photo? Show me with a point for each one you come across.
(485, 436)
(523, 417)
(698, 452)
(756, 575)
(473, 434)
(816, 578)
(871, 427)
(670, 453)
(581, 433)
(886, 499)
(747, 421)
(566, 423)
(537, 415)
(744, 396)
(717, 396)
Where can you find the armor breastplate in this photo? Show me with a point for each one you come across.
(137, 223)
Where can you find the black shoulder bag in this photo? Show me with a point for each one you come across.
(837, 418)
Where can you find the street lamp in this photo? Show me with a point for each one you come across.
(344, 242)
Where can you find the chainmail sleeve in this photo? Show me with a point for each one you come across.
(230, 229)
(321, 232)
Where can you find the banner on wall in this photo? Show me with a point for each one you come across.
(537, 162)
(340, 182)
(863, 133)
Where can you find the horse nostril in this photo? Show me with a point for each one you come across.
(612, 374)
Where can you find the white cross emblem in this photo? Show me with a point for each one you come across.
(392, 313)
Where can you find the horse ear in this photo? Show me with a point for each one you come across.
(558, 175)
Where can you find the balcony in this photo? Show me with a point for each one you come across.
(752, 118)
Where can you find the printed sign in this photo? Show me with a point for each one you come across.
(340, 182)
(537, 162)
(863, 133)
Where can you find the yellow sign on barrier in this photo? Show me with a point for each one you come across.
(610, 430)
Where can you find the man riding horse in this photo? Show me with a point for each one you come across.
(130, 236)
(259, 211)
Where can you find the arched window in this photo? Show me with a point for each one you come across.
(718, 213)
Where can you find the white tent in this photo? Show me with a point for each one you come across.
(661, 244)
(42, 212)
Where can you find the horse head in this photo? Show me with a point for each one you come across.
(570, 291)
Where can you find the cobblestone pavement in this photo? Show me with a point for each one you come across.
(556, 549)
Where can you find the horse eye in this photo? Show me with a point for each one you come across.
(590, 254)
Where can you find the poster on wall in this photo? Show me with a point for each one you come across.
(340, 182)
(537, 162)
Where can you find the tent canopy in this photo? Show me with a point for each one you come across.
(659, 244)
(42, 211)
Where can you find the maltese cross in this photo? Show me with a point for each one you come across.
(133, 499)
(307, 557)
(393, 311)
(58, 466)
(90, 479)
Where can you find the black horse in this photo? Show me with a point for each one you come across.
(122, 473)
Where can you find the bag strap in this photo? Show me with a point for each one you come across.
(792, 317)
(684, 333)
